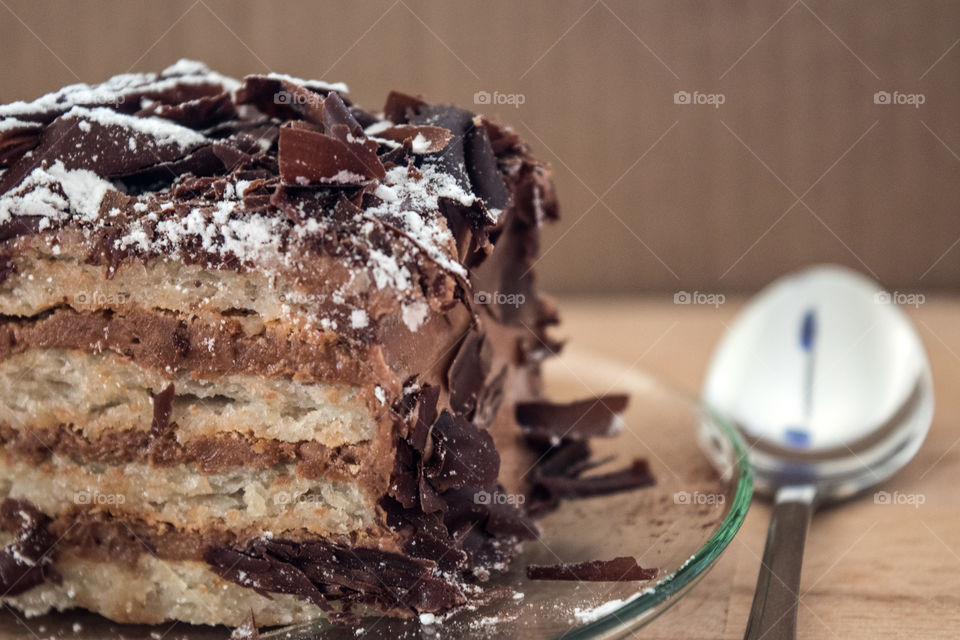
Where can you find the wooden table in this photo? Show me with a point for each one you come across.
(870, 570)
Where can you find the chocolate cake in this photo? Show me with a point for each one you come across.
(261, 351)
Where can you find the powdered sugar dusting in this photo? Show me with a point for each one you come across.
(339, 87)
(222, 229)
(12, 123)
(119, 88)
(414, 314)
(412, 203)
(56, 194)
(162, 132)
(359, 319)
(420, 144)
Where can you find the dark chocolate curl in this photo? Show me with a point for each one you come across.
(622, 569)
(468, 373)
(400, 107)
(199, 113)
(25, 562)
(463, 455)
(264, 574)
(636, 476)
(436, 138)
(17, 139)
(319, 571)
(481, 162)
(309, 157)
(578, 420)
(283, 99)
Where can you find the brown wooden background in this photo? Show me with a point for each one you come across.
(798, 165)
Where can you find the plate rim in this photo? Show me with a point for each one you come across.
(626, 617)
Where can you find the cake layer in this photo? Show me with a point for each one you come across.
(213, 345)
(272, 500)
(97, 393)
(54, 269)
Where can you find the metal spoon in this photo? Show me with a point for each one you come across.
(830, 385)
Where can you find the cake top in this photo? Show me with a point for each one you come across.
(194, 166)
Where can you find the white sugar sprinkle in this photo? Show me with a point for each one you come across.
(56, 193)
(359, 319)
(339, 87)
(119, 89)
(159, 131)
(414, 313)
(420, 144)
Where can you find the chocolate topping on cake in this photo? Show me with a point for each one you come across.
(201, 168)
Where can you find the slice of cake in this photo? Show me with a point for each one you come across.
(260, 350)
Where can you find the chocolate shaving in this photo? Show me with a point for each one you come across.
(622, 569)
(458, 122)
(468, 373)
(311, 157)
(437, 138)
(199, 113)
(580, 420)
(25, 562)
(282, 99)
(463, 455)
(400, 107)
(322, 573)
(85, 143)
(635, 476)
(16, 140)
(481, 163)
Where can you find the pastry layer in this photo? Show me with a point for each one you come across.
(54, 270)
(272, 500)
(157, 590)
(102, 392)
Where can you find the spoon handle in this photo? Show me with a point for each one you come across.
(773, 615)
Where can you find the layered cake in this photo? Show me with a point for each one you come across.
(261, 351)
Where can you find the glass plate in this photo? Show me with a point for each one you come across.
(680, 526)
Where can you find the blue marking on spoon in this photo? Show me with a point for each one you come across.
(808, 330)
(798, 437)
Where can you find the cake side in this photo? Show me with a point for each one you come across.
(248, 342)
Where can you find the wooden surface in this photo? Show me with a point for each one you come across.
(798, 165)
(870, 570)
